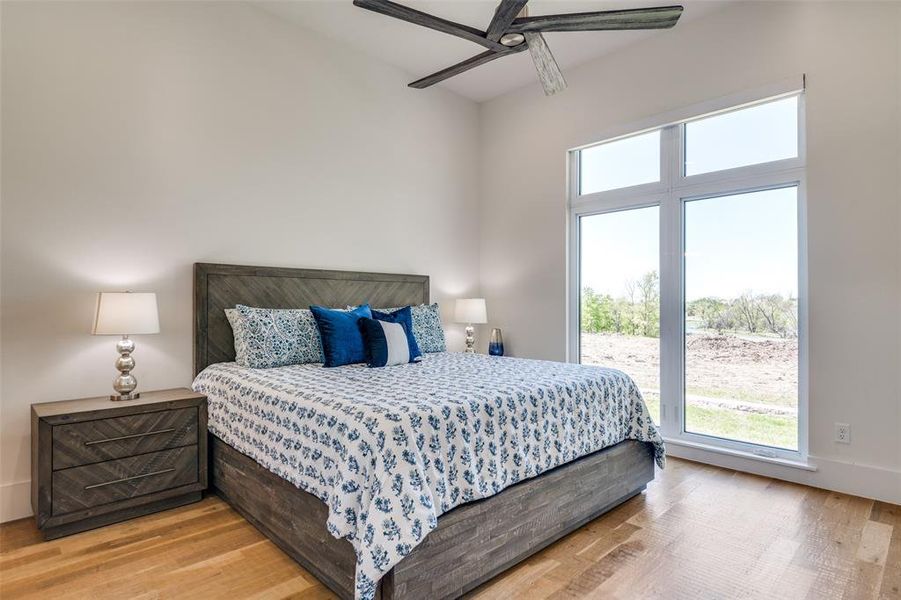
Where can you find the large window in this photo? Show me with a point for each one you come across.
(686, 273)
(741, 317)
(620, 298)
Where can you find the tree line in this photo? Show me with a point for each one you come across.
(749, 313)
(638, 312)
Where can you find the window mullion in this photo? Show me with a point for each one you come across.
(671, 287)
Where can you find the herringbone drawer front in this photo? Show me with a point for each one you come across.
(96, 484)
(118, 437)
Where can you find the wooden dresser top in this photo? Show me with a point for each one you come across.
(86, 406)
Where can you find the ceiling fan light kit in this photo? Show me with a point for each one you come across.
(512, 30)
(512, 39)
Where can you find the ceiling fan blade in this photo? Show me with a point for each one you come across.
(661, 17)
(469, 63)
(548, 72)
(503, 16)
(411, 15)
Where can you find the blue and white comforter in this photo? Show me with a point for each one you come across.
(389, 450)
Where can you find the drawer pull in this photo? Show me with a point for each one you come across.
(129, 437)
(124, 479)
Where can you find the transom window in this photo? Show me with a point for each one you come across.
(686, 264)
(622, 163)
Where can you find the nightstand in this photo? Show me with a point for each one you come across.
(96, 462)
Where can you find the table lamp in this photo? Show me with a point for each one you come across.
(126, 313)
(470, 311)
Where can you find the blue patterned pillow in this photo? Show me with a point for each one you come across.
(387, 343)
(426, 327)
(237, 323)
(405, 317)
(274, 337)
(342, 341)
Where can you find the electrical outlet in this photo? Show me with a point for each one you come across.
(842, 433)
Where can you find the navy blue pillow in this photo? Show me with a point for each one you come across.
(342, 342)
(402, 315)
(386, 342)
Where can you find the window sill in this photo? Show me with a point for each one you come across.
(784, 462)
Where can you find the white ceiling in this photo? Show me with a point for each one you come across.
(421, 51)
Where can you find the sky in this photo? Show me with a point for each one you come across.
(733, 244)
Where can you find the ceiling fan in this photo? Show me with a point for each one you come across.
(511, 30)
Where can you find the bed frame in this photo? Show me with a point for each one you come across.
(473, 542)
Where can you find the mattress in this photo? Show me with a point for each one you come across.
(389, 450)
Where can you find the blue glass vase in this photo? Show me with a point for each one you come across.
(496, 343)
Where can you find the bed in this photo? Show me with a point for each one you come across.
(417, 481)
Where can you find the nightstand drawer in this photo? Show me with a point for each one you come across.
(106, 439)
(96, 484)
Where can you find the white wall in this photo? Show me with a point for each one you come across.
(850, 53)
(140, 138)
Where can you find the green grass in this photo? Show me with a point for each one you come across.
(743, 394)
(768, 430)
(653, 402)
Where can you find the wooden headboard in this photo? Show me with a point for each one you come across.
(217, 287)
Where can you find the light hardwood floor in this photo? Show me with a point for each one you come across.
(698, 532)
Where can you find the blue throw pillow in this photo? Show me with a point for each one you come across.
(342, 342)
(405, 316)
(386, 342)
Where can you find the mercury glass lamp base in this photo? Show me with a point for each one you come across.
(470, 340)
(125, 383)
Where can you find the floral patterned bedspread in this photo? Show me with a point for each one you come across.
(391, 449)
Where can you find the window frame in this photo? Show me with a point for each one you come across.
(670, 194)
(651, 185)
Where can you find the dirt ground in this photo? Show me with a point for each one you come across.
(763, 370)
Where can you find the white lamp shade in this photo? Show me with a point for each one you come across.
(471, 310)
(126, 313)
